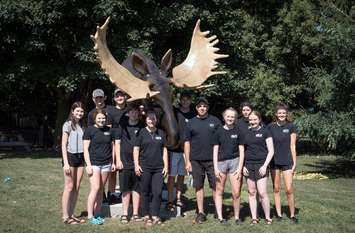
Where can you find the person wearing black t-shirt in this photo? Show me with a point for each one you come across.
(198, 151)
(151, 165)
(99, 159)
(226, 161)
(176, 157)
(284, 136)
(243, 122)
(259, 150)
(99, 98)
(124, 140)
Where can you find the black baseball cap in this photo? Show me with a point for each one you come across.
(202, 100)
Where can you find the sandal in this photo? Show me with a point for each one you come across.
(124, 219)
(78, 220)
(148, 221)
(254, 221)
(70, 221)
(157, 221)
(170, 206)
(136, 218)
(268, 221)
(179, 203)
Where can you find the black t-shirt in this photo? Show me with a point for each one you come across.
(200, 132)
(151, 147)
(242, 125)
(100, 148)
(228, 141)
(182, 120)
(127, 134)
(281, 135)
(108, 109)
(255, 145)
(119, 116)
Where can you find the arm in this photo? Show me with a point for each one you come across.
(293, 151)
(241, 160)
(215, 161)
(113, 167)
(270, 154)
(66, 166)
(87, 157)
(166, 163)
(137, 167)
(187, 156)
(119, 164)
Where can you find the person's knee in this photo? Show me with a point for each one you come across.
(236, 195)
(262, 195)
(252, 192)
(289, 190)
(277, 189)
(69, 187)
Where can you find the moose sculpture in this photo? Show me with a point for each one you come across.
(140, 77)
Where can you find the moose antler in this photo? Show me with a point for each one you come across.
(200, 62)
(119, 75)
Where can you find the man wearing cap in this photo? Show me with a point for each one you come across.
(198, 151)
(98, 96)
(176, 157)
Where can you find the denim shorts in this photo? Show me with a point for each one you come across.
(102, 168)
(228, 166)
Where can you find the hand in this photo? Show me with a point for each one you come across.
(217, 173)
(119, 165)
(66, 169)
(262, 170)
(245, 171)
(165, 171)
(113, 167)
(238, 174)
(138, 170)
(188, 167)
(89, 170)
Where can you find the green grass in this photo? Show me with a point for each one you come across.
(31, 202)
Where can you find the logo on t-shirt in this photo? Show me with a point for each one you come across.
(234, 136)
(107, 133)
(259, 135)
(186, 120)
(135, 132)
(157, 137)
(285, 130)
(211, 125)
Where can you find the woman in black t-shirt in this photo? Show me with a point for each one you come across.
(99, 158)
(258, 148)
(284, 137)
(151, 165)
(226, 161)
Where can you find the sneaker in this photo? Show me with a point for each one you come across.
(222, 221)
(200, 218)
(278, 218)
(238, 221)
(100, 218)
(294, 220)
(95, 221)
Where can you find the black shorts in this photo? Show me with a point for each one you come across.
(128, 181)
(280, 167)
(75, 160)
(199, 171)
(253, 170)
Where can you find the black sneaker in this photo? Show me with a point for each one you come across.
(222, 221)
(278, 218)
(238, 221)
(294, 220)
(200, 218)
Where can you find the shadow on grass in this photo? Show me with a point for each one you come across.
(13, 154)
(341, 167)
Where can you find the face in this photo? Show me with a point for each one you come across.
(254, 121)
(100, 120)
(246, 111)
(78, 113)
(133, 115)
(185, 102)
(120, 98)
(99, 101)
(281, 115)
(151, 120)
(202, 109)
(229, 117)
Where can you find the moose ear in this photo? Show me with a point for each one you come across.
(139, 63)
(166, 61)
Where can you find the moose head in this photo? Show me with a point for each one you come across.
(140, 77)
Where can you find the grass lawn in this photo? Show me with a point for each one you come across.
(31, 201)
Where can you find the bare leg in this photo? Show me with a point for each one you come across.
(199, 198)
(252, 198)
(276, 182)
(220, 184)
(103, 176)
(262, 190)
(288, 178)
(236, 185)
(126, 197)
(95, 188)
(135, 198)
(67, 194)
(179, 187)
(78, 174)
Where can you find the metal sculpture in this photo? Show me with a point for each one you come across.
(140, 78)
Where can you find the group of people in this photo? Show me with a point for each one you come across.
(119, 138)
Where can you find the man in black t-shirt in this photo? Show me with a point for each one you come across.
(176, 157)
(198, 151)
(98, 96)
